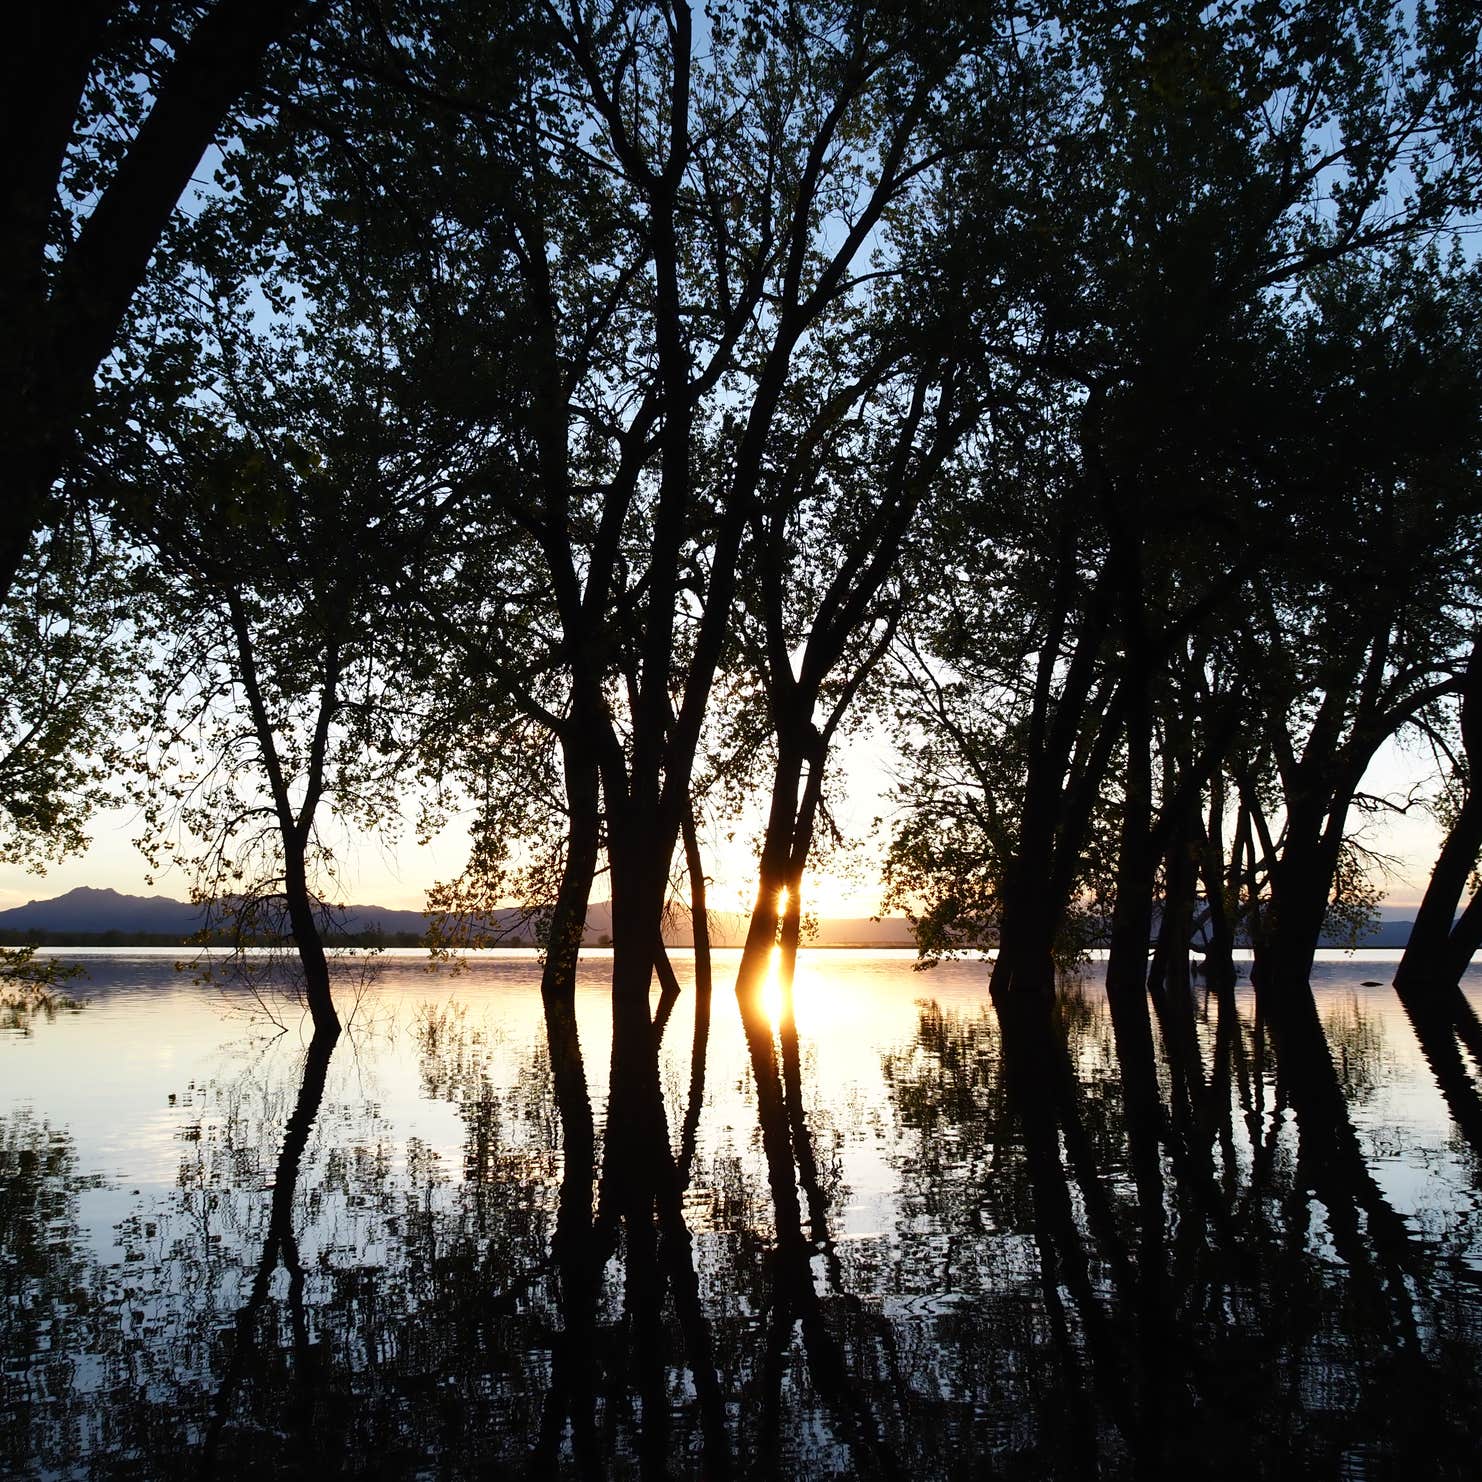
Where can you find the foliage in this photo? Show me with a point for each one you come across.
(579, 420)
(68, 653)
(31, 987)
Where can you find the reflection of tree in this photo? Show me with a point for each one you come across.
(1445, 1024)
(861, 1419)
(338, 1297)
(281, 1246)
(1281, 1341)
(392, 1300)
(1355, 1039)
(46, 1291)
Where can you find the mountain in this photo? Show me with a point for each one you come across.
(86, 913)
(1385, 934)
(89, 912)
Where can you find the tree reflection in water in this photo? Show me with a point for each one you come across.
(621, 1295)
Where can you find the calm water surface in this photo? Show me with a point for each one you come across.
(916, 1253)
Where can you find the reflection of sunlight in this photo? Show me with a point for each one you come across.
(772, 990)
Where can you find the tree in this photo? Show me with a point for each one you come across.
(1441, 945)
(108, 110)
(287, 493)
(67, 697)
(1366, 619)
(1209, 170)
(679, 221)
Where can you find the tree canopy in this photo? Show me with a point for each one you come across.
(584, 415)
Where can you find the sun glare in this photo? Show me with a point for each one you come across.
(772, 990)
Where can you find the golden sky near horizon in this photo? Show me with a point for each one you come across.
(397, 875)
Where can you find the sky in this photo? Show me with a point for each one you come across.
(398, 873)
(378, 872)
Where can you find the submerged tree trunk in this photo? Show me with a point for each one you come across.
(309, 941)
(1169, 973)
(558, 999)
(1024, 962)
(1064, 781)
(295, 825)
(1441, 946)
(579, 869)
(1221, 888)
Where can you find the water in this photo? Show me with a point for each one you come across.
(928, 1254)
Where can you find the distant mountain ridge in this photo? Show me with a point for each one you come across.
(90, 912)
(87, 912)
(95, 911)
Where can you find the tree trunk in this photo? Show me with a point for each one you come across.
(1440, 947)
(1300, 886)
(308, 940)
(573, 895)
(1169, 973)
(558, 999)
(54, 345)
(1220, 888)
(1028, 924)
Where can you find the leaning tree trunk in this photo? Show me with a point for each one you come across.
(1053, 823)
(1440, 946)
(1301, 884)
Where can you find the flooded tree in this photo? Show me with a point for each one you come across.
(581, 418)
(283, 489)
(1176, 366)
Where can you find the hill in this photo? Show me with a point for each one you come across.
(87, 917)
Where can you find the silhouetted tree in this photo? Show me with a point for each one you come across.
(108, 110)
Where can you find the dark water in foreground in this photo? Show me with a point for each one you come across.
(924, 1256)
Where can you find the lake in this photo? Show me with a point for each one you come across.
(906, 1247)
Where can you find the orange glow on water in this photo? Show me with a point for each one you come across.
(772, 990)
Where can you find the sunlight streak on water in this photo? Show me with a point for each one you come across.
(772, 999)
(143, 1138)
